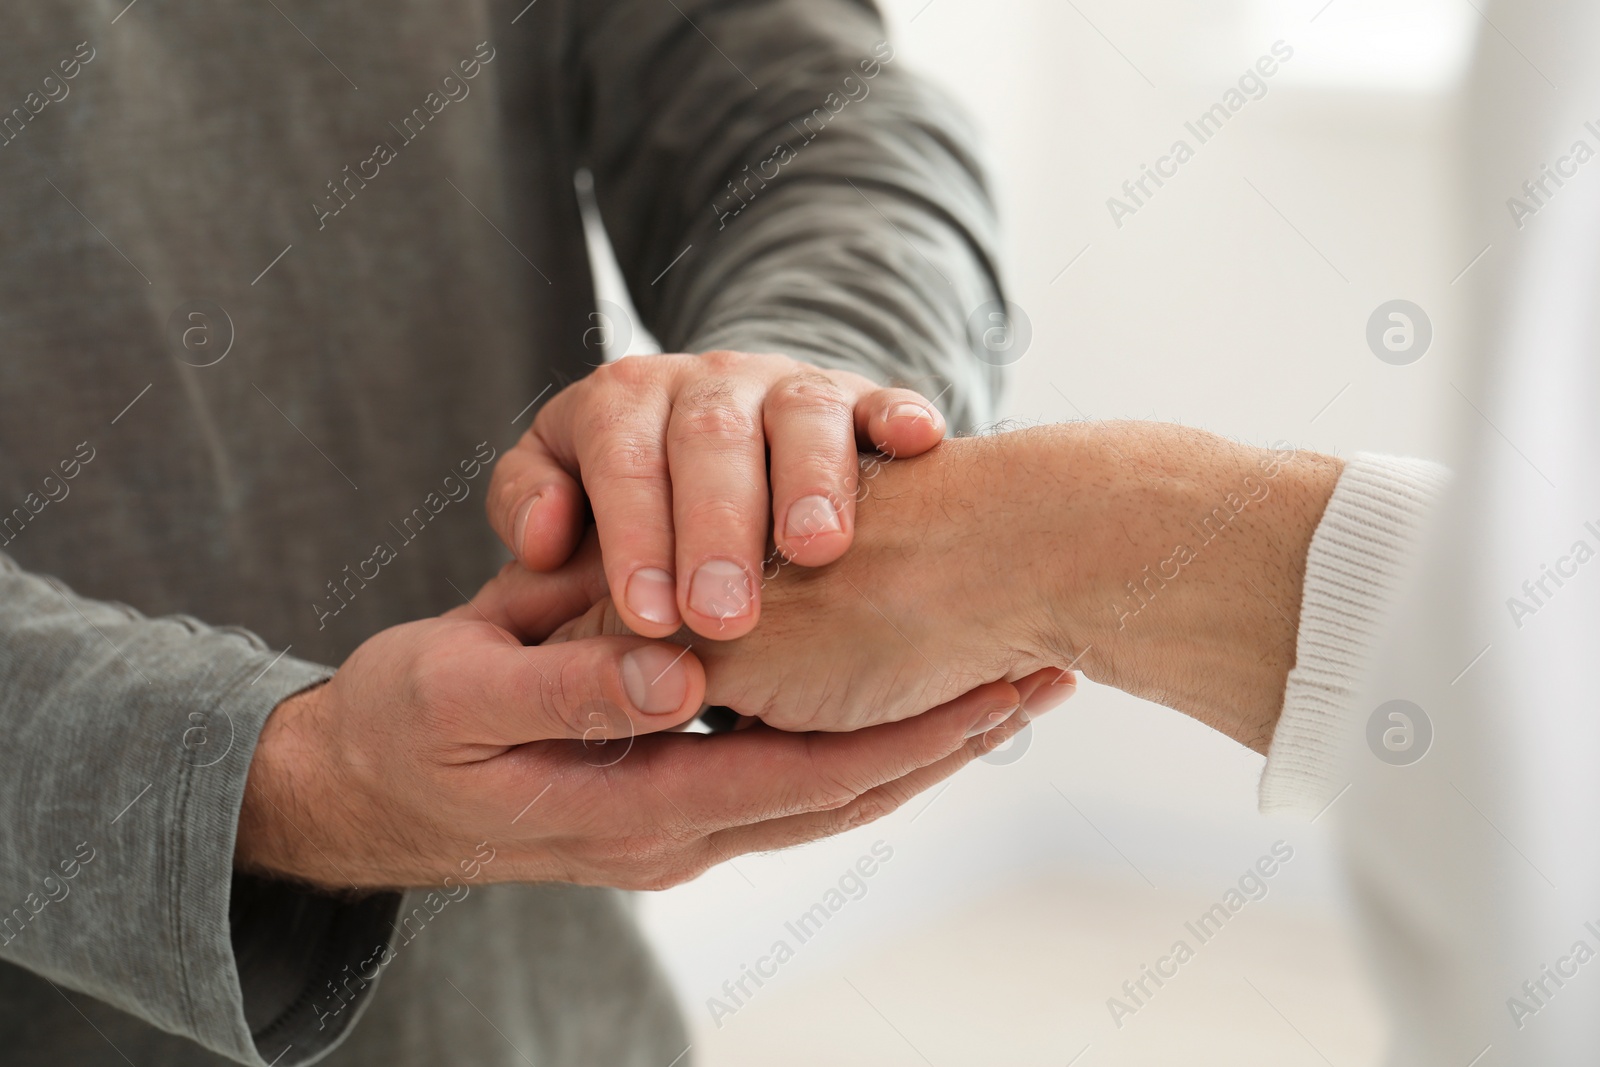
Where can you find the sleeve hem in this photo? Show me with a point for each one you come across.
(1360, 553)
(205, 828)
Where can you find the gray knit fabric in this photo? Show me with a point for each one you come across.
(281, 280)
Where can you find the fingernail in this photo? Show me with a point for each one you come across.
(652, 595)
(655, 679)
(812, 515)
(1051, 695)
(991, 720)
(721, 590)
(907, 410)
(519, 530)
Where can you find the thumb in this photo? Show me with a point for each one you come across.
(597, 687)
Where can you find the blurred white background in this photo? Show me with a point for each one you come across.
(1023, 895)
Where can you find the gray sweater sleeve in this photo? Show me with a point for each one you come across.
(774, 179)
(127, 745)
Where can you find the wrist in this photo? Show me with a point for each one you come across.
(267, 843)
(999, 492)
(1048, 577)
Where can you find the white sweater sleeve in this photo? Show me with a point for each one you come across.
(1359, 555)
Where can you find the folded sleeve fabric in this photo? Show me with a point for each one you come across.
(128, 744)
(1360, 554)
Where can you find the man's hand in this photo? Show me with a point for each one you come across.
(672, 451)
(440, 734)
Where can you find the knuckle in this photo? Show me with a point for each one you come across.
(808, 389)
(832, 795)
(641, 854)
(828, 791)
(572, 694)
(719, 419)
(711, 405)
(718, 513)
(629, 372)
(604, 620)
(724, 361)
(626, 447)
(429, 671)
(434, 690)
(613, 412)
(836, 798)
(631, 461)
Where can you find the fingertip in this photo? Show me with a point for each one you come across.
(664, 683)
(547, 528)
(1051, 692)
(984, 742)
(815, 530)
(904, 423)
(649, 601)
(722, 600)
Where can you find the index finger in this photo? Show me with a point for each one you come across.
(535, 503)
(612, 433)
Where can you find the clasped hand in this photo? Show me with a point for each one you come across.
(567, 755)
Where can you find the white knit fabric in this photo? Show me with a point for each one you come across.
(1360, 553)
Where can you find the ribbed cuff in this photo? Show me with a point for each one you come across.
(1359, 555)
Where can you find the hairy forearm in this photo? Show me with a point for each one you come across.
(1175, 568)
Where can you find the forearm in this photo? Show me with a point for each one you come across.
(1175, 563)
